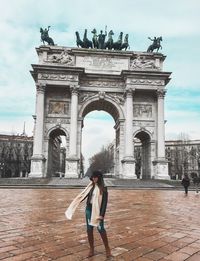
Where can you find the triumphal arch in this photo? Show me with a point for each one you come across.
(130, 86)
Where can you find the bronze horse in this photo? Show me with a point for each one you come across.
(79, 42)
(86, 42)
(109, 43)
(45, 36)
(117, 45)
(155, 45)
(125, 44)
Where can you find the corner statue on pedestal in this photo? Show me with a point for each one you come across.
(155, 45)
(45, 36)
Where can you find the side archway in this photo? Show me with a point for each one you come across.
(142, 151)
(58, 140)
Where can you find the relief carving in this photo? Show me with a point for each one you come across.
(58, 107)
(142, 111)
(86, 95)
(142, 63)
(62, 58)
(117, 97)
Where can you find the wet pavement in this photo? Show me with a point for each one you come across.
(142, 225)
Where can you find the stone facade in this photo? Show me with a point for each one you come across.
(130, 86)
(15, 155)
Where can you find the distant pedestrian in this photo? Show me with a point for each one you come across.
(96, 203)
(186, 183)
(196, 181)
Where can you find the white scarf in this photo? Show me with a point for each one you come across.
(96, 204)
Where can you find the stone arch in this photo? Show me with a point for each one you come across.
(143, 164)
(142, 133)
(58, 128)
(106, 104)
(56, 157)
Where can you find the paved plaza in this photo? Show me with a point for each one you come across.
(142, 225)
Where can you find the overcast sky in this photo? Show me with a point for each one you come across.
(177, 21)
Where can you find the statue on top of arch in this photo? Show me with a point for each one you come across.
(99, 40)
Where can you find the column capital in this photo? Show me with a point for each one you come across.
(74, 89)
(161, 94)
(40, 87)
(129, 92)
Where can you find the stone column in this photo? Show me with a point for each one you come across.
(161, 126)
(128, 160)
(73, 123)
(161, 162)
(71, 169)
(37, 160)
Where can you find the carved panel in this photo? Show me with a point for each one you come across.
(141, 63)
(142, 111)
(105, 64)
(62, 58)
(58, 107)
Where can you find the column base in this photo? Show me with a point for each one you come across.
(161, 169)
(71, 168)
(37, 166)
(128, 165)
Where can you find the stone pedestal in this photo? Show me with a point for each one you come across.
(128, 164)
(37, 166)
(71, 168)
(161, 169)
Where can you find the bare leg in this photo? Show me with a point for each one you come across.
(105, 241)
(91, 242)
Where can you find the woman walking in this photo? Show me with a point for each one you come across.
(96, 196)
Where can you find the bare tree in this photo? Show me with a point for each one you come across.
(102, 160)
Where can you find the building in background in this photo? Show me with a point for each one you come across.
(183, 157)
(15, 155)
(16, 152)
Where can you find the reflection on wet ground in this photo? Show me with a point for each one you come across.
(142, 225)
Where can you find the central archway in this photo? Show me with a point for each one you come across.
(114, 110)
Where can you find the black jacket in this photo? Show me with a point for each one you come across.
(185, 182)
(103, 203)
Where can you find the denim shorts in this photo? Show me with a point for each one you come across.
(88, 213)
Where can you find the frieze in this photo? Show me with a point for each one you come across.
(102, 84)
(142, 111)
(57, 121)
(59, 77)
(118, 98)
(145, 82)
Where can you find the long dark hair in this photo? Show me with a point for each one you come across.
(100, 182)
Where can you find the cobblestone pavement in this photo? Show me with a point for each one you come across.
(142, 225)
